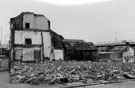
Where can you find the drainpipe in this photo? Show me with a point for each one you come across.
(42, 48)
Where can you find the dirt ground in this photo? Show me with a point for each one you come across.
(4, 83)
(4, 78)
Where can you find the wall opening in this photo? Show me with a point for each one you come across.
(27, 25)
(28, 41)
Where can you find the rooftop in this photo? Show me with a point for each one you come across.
(75, 44)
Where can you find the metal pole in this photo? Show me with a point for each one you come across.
(1, 42)
(116, 36)
(1, 36)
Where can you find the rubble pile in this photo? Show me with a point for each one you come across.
(68, 71)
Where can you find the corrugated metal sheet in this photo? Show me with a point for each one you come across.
(47, 44)
(58, 54)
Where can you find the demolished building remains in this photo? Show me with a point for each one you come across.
(76, 49)
(33, 40)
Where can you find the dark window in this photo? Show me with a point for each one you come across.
(28, 41)
(37, 55)
(27, 25)
(77, 42)
(48, 23)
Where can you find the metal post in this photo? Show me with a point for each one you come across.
(1, 41)
(1, 36)
(116, 36)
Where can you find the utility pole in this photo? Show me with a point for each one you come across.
(1, 42)
(1, 35)
(116, 36)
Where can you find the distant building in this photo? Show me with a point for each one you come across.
(32, 39)
(4, 51)
(123, 52)
(79, 50)
(126, 53)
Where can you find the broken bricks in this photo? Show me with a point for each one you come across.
(65, 72)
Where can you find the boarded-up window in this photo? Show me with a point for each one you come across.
(37, 55)
(18, 54)
(27, 25)
(28, 54)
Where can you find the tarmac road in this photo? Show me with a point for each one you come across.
(4, 78)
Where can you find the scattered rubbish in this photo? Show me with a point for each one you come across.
(51, 72)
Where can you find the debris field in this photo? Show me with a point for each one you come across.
(51, 72)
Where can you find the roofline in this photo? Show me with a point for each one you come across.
(74, 40)
(27, 12)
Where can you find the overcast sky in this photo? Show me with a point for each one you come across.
(90, 20)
